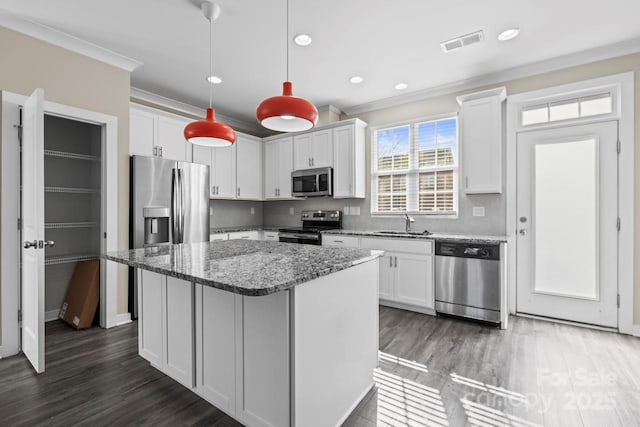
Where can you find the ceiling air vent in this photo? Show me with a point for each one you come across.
(462, 41)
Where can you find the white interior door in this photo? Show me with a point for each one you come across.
(567, 248)
(33, 230)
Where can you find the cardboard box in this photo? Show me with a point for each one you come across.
(80, 303)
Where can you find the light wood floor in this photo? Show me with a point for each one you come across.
(433, 372)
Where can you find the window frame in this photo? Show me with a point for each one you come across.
(413, 172)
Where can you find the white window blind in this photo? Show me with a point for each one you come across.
(414, 167)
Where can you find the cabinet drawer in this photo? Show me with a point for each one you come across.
(218, 236)
(271, 235)
(246, 235)
(422, 247)
(344, 241)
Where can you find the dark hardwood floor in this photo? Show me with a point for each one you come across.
(433, 372)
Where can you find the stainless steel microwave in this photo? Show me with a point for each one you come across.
(312, 182)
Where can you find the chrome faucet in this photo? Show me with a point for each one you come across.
(408, 221)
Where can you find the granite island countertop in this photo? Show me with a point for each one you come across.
(453, 237)
(244, 267)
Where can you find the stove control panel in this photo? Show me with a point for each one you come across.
(321, 215)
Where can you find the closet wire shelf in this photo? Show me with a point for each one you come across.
(72, 190)
(67, 155)
(56, 225)
(67, 258)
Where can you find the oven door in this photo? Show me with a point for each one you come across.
(304, 238)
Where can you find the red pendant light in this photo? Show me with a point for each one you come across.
(287, 113)
(208, 132)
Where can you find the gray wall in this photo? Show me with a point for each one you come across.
(234, 213)
(278, 214)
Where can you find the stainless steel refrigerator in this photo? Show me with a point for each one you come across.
(169, 205)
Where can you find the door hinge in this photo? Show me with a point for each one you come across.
(618, 223)
(19, 127)
(105, 234)
(19, 315)
(619, 146)
(618, 300)
(19, 223)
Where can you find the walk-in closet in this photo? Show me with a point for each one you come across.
(72, 175)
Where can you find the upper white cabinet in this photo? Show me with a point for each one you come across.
(349, 160)
(313, 150)
(222, 169)
(156, 133)
(481, 136)
(278, 165)
(248, 168)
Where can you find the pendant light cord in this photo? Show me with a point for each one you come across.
(211, 62)
(287, 45)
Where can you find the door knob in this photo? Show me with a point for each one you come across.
(49, 243)
(523, 231)
(33, 244)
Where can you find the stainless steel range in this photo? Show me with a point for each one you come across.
(313, 223)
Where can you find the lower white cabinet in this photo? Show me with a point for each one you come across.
(245, 235)
(273, 236)
(406, 276)
(215, 347)
(166, 326)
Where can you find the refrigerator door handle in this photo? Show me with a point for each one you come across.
(177, 214)
(181, 201)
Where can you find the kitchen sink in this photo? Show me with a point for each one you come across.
(409, 233)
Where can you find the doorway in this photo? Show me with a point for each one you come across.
(71, 193)
(567, 214)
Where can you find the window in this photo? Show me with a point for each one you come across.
(566, 109)
(415, 167)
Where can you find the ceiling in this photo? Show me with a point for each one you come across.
(384, 42)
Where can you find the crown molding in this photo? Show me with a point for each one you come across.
(194, 112)
(626, 47)
(66, 41)
(331, 108)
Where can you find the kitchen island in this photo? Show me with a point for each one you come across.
(274, 334)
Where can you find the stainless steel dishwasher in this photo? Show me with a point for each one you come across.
(468, 280)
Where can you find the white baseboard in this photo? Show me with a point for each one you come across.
(636, 331)
(51, 315)
(123, 318)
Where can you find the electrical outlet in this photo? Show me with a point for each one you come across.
(346, 210)
(355, 210)
(253, 211)
(291, 211)
(478, 211)
(210, 211)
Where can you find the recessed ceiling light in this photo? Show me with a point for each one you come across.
(401, 86)
(508, 34)
(302, 39)
(356, 79)
(214, 79)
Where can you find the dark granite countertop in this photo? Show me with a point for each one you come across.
(244, 267)
(468, 238)
(215, 230)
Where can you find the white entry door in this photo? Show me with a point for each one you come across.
(567, 243)
(33, 230)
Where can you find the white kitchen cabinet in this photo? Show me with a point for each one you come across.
(406, 272)
(215, 347)
(150, 297)
(214, 237)
(349, 160)
(481, 141)
(272, 236)
(313, 150)
(278, 165)
(245, 235)
(165, 325)
(179, 331)
(248, 168)
(222, 170)
(157, 133)
(340, 241)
